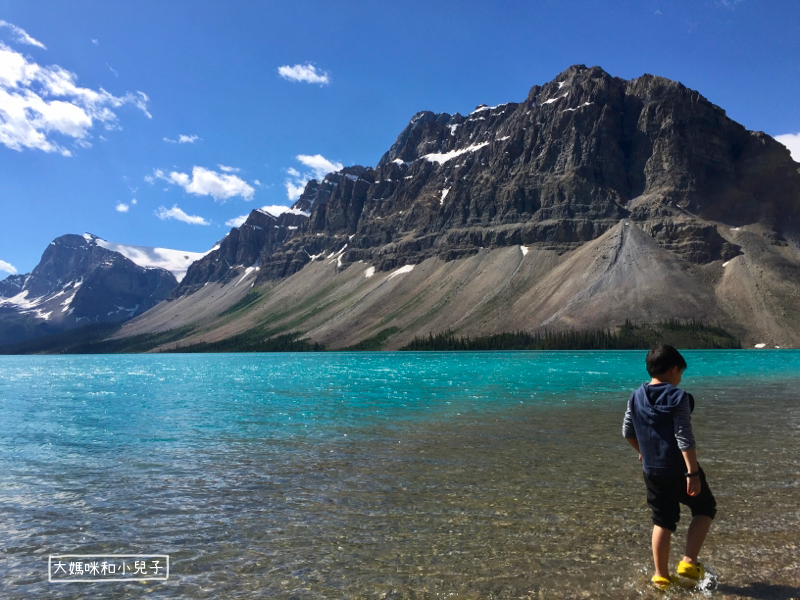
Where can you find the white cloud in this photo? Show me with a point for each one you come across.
(319, 165)
(236, 221)
(134, 201)
(792, 142)
(183, 139)
(257, 182)
(205, 182)
(177, 214)
(228, 169)
(7, 267)
(95, 42)
(21, 36)
(306, 73)
(122, 207)
(113, 70)
(38, 103)
(295, 190)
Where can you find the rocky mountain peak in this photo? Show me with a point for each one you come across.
(581, 153)
(82, 279)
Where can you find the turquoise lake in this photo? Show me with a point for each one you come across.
(384, 475)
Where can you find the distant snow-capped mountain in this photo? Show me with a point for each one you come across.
(84, 279)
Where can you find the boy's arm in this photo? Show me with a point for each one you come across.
(628, 432)
(683, 435)
(693, 484)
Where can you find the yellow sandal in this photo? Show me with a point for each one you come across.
(661, 583)
(694, 571)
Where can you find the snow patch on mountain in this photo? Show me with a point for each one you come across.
(443, 157)
(401, 271)
(174, 261)
(277, 210)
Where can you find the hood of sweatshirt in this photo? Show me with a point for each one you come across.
(661, 398)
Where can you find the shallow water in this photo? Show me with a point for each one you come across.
(461, 475)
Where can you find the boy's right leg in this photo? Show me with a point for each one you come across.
(698, 530)
(704, 508)
(661, 540)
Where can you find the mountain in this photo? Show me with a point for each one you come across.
(85, 279)
(593, 201)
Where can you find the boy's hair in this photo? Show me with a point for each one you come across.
(662, 358)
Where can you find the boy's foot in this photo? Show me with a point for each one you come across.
(661, 583)
(694, 571)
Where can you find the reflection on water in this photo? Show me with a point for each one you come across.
(527, 500)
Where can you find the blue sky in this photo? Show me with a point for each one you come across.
(159, 123)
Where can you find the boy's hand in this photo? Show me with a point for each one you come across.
(640, 458)
(693, 486)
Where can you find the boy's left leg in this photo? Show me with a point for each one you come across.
(661, 541)
(663, 500)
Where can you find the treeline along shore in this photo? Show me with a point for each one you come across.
(693, 335)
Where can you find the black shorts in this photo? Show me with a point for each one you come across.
(665, 494)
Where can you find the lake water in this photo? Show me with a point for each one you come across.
(384, 475)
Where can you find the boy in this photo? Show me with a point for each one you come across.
(657, 424)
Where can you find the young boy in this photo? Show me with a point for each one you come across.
(657, 424)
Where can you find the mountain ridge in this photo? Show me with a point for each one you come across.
(594, 201)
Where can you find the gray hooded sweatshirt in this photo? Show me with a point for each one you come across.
(658, 416)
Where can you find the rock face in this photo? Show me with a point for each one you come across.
(244, 249)
(555, 171)
(77, 282)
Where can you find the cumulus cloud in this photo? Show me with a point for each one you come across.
(184, 139)
(122, 207)
(21, 36)
(7, 267)
(792, 142)
(319, 165)
(177, 214)
(38, 103)
(228, 169)
(295, 189)
(257, 182)
(306, 73)
(205, 182)
(236, 221)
